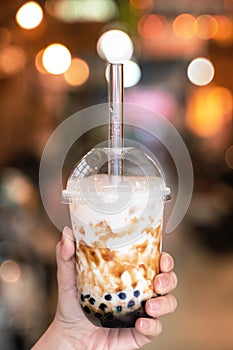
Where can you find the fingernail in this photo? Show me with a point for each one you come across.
(67, 233)
(145, 324)
(154, 305)
(62, 239)
(163, 281)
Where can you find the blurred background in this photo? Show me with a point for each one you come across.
(180, 56)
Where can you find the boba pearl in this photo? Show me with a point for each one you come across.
(122, 295)
(130, 304)
(83, 297)
(119, 308)
(143, 303)
(98, 315)
(102, 306)
(108, 297)
(136, 293)
(109, 316)
(86, 309)
(92, 301)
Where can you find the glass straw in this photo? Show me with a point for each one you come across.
(115, 92)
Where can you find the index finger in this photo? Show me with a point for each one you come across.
(166, 262)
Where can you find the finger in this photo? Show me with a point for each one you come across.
(67, 244)
(66, 276)
(165, 282)
(65, 262)
(149, 327)
(166, 262)
(160, 306)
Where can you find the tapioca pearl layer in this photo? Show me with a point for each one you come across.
(120, 303)
(116, 319)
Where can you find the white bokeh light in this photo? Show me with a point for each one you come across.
(200, 71)
(29, 15)
(132, 73)
(56, 59)
(115, 46)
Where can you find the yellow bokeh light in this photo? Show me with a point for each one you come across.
(183, 26)
(56, 59)
(29, 15)
(82, 10)
(200, 71)
(78, 72)
(229, 157)
(208, 110)
(206, 27)
(10, 271)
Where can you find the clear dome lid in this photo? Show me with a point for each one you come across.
(93, 174)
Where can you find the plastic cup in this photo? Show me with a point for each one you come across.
(117, 223)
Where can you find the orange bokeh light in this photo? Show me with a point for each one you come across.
(78, 73)
(151, 26)
(39, 62)
(206, 27)
(208, 111)
(12, 60)
(183, 26)
(225, 28)
(141, 4)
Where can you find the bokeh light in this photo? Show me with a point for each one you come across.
(206, 27)
(78, 72)
(29, 15)
(12, 60)
(151, 26)
(5, 36)
(200, 71)
(82, 10)
(39, 62)
(225, 28)
(56, 58)
(19, 190)
(132, 73)
(115, 46)
(10, 271)
(183, 26)
(208, 110)
(141, 4)
(229, 157)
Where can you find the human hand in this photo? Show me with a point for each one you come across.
(71, 330)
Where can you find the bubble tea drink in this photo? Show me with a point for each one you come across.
(117, 223)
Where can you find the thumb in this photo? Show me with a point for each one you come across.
(68, 305)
